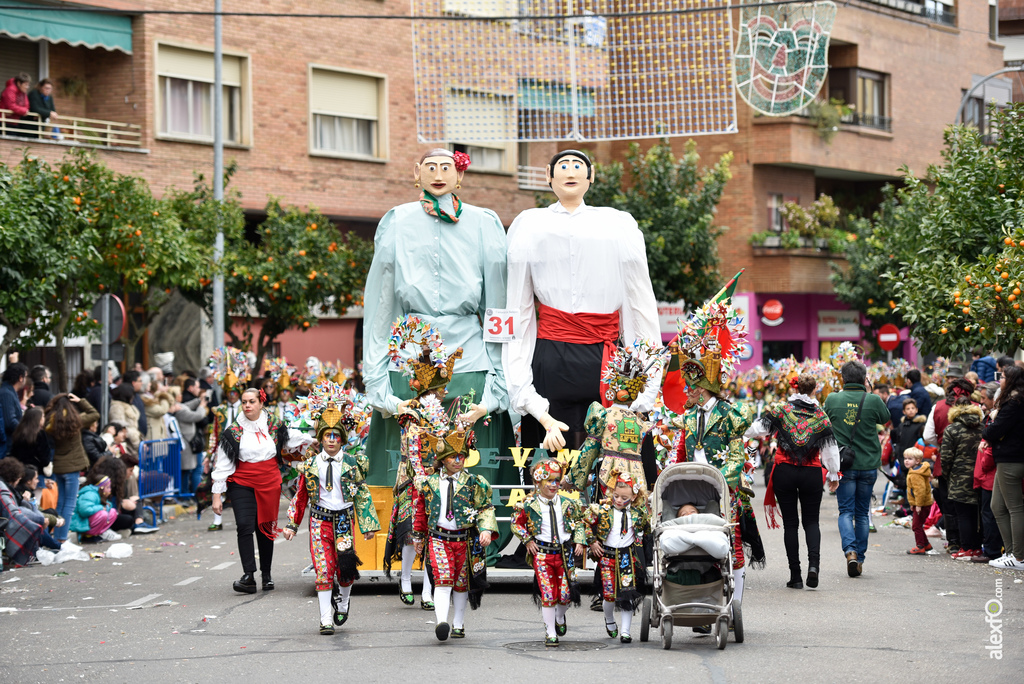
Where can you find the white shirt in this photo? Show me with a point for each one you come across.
(592, 260)
(829, 453)
(256, 445)
(698, 453)
(616, 539)
(545, 521)
(929, 435)
(233, 411)
(442, 519)
(334, 499)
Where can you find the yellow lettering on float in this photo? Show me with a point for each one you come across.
(516, 496)
(474, 458)
(520, 456)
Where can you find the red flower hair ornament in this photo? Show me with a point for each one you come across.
(462, 161)
(263, 396)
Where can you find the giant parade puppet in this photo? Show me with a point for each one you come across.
(443, 261)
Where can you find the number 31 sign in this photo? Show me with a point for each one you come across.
(500, 325)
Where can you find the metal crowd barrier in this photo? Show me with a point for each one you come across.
(159, 473)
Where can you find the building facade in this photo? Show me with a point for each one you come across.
(904, 67)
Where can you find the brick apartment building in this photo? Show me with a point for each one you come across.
(321, 113)
(905, 66)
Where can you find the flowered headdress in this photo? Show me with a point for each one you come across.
(547, 469)
(626, 480)
(708, 345)
(628, 371)
(432, 367)
(846, 352)
(313, 373)
(444, 434)
(230, 367)
(280, 371)
(331, 408)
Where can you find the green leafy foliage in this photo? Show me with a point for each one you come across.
(674, 202)
(948, 237)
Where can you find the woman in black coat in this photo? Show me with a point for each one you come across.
(1005, 434)
(95, 447)
(30, 444)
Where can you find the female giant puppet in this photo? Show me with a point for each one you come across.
(586, 269)
(444, 261)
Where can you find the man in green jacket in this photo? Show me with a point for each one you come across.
(858, 482)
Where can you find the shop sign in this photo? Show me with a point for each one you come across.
(843, 325)
(771, 313)
(668, 315)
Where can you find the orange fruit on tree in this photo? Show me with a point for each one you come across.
(967, 310)
(1020, 320)
(999, 288)
(1004, 275)
(967, 328)
(1007, 241)
(1016, 290)
(944, 330)
(1016, 305)
(266, 278)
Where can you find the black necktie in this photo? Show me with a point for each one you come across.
(329, 485)
(625, 521)
(700, 429)
(556, 536)
(450, 499)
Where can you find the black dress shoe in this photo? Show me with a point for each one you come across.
(795, 584)
(812, 577)
(245, 585)
(561, 628)
(268, 583)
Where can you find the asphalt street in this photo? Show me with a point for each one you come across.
(168, 614)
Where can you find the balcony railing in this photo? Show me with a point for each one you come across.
(939, 16)
(882, 123)
(532, 178)
(73, 130)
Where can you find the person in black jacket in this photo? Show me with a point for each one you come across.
(30, 444)
(94, 445)
(40, 101)
(41, 394)
(1005, 434)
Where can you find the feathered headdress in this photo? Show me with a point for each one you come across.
(432, 367)
(331, 408)
(708, 345)
(280, 371)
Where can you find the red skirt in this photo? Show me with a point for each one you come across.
(265, 479)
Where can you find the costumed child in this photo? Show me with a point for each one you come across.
(551, 527)
(706, 350)
(919, 496)
(429, 372)
(94, 514)
(331, 483)
(617, 528)
(231, 369)
(614, 434)
(454, 520)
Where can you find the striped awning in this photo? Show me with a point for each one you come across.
(89, 29)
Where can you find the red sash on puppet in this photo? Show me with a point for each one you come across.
(265, 479)
(581, 328)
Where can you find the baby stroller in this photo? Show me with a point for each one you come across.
(692, 570)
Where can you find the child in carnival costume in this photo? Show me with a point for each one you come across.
(614, 434)
(331, 484)
(231, 369)
(454, 517)
(281, 372)
(706, 350)
(429, 371)
(551, 527)
(618, 526)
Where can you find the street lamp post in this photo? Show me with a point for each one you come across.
(218, 176)
(967, 96)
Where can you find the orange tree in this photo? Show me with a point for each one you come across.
(294, 267)
(90, 231)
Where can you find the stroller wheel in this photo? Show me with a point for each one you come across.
(645, 620)
(722, 632)
(737, 621)
(666, 632)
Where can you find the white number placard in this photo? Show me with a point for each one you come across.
(501, 325)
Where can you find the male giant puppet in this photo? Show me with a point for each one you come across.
(578, 280)
(443, 261)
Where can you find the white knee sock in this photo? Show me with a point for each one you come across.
(326, 610)
(346, 592)
(560, 611)
(548, 612)
(627, 620)
(408, 556)
(461, 600)
(428, 590)
(738, 576)
(609, 612)
(442, 597)
(218, 519)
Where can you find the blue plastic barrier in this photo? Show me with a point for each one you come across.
(159, 472)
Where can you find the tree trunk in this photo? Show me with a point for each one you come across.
(64, 316)
(11, 333)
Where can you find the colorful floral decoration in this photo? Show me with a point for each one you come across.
(230, 366)
(432, 366)
(846, 352)
(462, 161)
(939, 368)
(629, 370)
